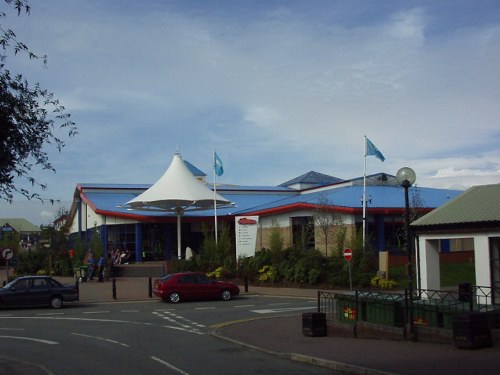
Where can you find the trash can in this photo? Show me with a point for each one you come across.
(81, 273)
(314, 324)
(471, 330)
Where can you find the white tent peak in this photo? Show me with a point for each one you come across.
(178, 189)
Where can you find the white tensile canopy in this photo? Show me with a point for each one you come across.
(178, 190)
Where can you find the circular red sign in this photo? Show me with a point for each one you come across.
(347, 254)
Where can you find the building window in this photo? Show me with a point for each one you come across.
(303, 232)
(121, 237)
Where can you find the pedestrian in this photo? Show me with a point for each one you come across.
(125, 257)
(100, 269)
(91, 266)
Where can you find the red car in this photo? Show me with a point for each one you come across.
(185, 286)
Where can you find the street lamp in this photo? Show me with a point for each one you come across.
(406, 177)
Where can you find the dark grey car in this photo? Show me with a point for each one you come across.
(37, 291)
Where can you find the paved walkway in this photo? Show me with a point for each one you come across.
(282, 336)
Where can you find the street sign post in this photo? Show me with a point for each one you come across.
(348, 254)
(348, 258)
(7, 254)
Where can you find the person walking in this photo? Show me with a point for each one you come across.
(91, 265)
(100, 269)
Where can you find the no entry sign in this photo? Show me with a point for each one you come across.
(348, 254)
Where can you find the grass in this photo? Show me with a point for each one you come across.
(452, 274)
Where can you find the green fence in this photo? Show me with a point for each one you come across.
(429, 307)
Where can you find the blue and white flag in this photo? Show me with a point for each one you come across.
(371, 150)
(219, 170)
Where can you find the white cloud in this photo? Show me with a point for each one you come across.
(270, 85)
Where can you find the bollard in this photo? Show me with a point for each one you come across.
(246, 284)
(114, 288)
(77, 287)
(150, 288)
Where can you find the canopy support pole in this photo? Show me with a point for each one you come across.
(179, 213)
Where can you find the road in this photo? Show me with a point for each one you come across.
(150, 337)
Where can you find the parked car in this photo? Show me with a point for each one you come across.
(37, 291)
(185, 286)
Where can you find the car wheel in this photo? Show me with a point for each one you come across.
(56, 302)
(174, 297)
(226, 295)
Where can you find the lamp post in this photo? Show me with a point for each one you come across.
(406, 177)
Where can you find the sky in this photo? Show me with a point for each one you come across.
(277, 88)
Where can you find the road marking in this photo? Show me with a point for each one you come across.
(96, 312)
(170, 366)
(285, 309)
(102, 339)
(182, 323)
(205, 308)
(30, 339)
(279, 304)
(12, 329)
(242, 306)
(195, 331)
(76, 319)
(130, 311)
(50, 314)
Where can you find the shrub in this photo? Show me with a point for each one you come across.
(268, 273)
(219, 273)
(314, 276)
(29, 263)
(381, 282)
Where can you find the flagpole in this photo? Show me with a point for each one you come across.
(364, 201)
(215, 200)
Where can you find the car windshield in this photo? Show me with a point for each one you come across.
(9, 285)
(166, 277)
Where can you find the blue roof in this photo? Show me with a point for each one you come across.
(382, 191)
(111, 186)
(110, 198)
(376, 196)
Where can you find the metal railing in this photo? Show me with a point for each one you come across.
(434, 308)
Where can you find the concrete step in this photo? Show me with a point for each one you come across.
(132, 270)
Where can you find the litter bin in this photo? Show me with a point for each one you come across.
(314, 324)
(81, 273)
(465, 292)
(471, 330)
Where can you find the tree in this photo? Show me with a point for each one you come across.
(326, 220)
(28, 117)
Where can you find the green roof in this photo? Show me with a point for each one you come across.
(20, 225)
(479, 204)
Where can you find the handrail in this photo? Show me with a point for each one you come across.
(430, 307)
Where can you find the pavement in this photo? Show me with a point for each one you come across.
(282, 336)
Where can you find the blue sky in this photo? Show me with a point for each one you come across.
(278, 88)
